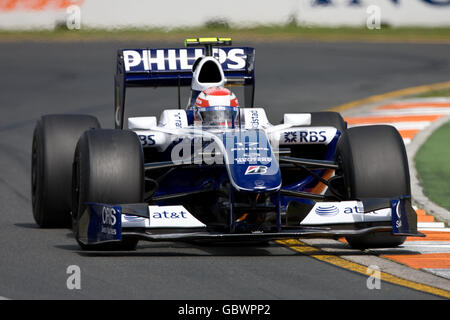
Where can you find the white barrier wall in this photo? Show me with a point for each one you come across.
(31, 14)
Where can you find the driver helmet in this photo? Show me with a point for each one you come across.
(216, 107)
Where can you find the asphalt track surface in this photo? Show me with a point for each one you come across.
(41, 78)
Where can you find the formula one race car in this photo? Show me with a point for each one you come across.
(217, 170)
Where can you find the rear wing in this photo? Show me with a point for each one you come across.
(172, 67)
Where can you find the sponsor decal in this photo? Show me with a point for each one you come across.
(398, 223)
(254, 120)
(355, 209)
(253, 159)
(109, 220)
(250, 146)
(109, 216)
(172, 217)
(344, 212)
(178, 120)
(256, 170)
(169, 215)
(290, 137)
(147, 139)
(305, 136)
(179, 59)
(327, 210)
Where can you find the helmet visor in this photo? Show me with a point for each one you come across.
(223, 117)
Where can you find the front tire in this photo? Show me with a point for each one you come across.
(54, 141)
(108, 168)
(375, 165)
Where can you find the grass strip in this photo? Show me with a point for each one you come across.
(433, 166)
(435, 93)
(266, 33)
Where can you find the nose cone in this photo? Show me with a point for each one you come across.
(250, 161)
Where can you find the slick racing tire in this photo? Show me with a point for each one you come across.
(108, 168)
(328, 119)
(54, 141)
(375, 165)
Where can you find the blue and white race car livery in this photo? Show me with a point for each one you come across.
(173, 177)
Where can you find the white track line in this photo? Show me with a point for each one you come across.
(406, 125)
(415, 111)
(430, 225)
(445, 273)
(435, 229)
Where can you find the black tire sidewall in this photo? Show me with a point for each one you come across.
(37, 176)
(108, 168)
(375, 165)
(54, 141)
(328, 119)
(375, 162)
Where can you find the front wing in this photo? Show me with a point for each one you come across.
(101, 223)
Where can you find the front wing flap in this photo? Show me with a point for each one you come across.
(102, 223)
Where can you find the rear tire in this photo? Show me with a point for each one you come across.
(328, 119)
(54, 141)
(108, 168)
(375, 165)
